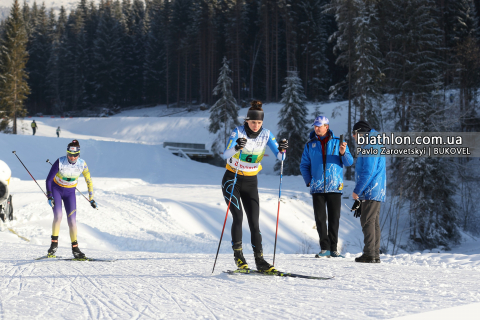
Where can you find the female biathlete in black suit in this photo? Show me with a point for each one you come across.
(252, 139)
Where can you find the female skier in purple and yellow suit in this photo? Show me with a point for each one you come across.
(61, 183)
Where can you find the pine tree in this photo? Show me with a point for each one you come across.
(40, 49)
(430, 191)
(464, 43)
(368, 64)
(345, 12)
(293, 123)
(72, 62)
(414, 70)
(133, 32)
(413, 64)
(313, 38)
(235, 29)
(107, 61)
(14, 56)
(154, 66)
(224, 113)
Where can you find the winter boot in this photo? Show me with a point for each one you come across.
(365, 259)
(238, 256)
(323, 254)
(76, 251)
(53, 247)
(262, 265)
(377, 259)
(336, 254)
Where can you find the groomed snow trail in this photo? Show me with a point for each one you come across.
(179, 286)
(161, 217)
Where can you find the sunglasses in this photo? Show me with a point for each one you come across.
(73, 155)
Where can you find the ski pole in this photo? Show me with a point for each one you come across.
(15, 153)
(48, 160)
(278, 211)
(228, 208)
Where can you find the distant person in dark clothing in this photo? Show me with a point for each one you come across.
(34, 127)
(58, 132)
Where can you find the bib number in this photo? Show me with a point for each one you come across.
(249, 158)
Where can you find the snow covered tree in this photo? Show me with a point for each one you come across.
(224, 113)
(464, 42)
(368, 64)
(345, 12)
(13, 59)
(313, 41)
(412, 64)
(431, 192)
(293, 123)
(414, 70)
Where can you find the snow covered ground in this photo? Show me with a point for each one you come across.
(161, 217)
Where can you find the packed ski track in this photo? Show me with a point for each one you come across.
(161, 216)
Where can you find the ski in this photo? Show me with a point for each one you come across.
(59, 258)
(87, 259)
(47, 257)
(277, 274)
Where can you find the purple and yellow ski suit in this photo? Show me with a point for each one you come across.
(61, 183)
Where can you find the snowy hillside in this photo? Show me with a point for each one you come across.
(55, 4)
(161, 217)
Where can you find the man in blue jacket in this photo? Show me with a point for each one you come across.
(370, 189)
(322, 169)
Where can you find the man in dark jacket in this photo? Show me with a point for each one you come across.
(322, 170)
(370, 190)
(34, 127)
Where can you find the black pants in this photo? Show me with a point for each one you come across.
(332, 202)
(246, 190)
(34, 130)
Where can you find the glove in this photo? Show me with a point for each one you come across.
(356, 207)
(283, 145)
(241, 142)
(358, 212)
(308, 185)
(51, 202)
(93, 204)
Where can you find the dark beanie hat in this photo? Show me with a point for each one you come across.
(361, 126)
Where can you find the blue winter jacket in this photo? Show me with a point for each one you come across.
(322, 177)
(370, 175)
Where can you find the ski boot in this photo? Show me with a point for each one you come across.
(238, 256)
(262, 265)
(53, 247)
(76, 251)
